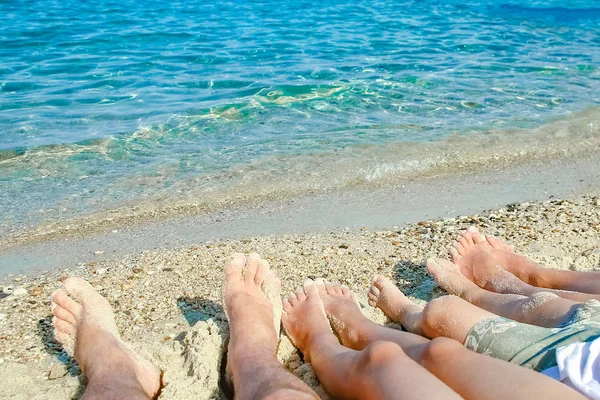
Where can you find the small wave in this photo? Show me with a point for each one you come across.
(287, 176)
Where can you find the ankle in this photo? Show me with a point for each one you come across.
(317, 342)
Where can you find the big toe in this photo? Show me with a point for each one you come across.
(252, 265)
(477, 236)
(235, 267)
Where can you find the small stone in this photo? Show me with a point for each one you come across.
(343, 246)
(17, 279)
(36, 291)
(2, 316)
(100, 271)
(57, 371)
(98, 252)
(19, 292)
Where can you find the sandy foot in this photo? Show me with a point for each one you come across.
(304, 317)
(251, 296)
(399, 308)
(473, 255)
(84, 324)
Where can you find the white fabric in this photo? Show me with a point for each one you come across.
(578, 365)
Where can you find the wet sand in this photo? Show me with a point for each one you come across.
(167, 301)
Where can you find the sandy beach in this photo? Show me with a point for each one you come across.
(167, 302)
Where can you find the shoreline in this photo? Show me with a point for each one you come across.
(288, 179)
(443, 196)
(167, 302)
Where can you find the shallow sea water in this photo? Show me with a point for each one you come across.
(114, 104)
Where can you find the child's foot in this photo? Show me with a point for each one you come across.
(481, 263)
(84, 324)
(304, 318)
(448, 276)
(343, 311)
(385, 295)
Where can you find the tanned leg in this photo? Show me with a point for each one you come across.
(252, 301)
(472, 246)
(471, 375)
(381, 370)
(84, 324)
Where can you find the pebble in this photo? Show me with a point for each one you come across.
(19, 292)
(57, 371)
(98, 252)
(2, 316)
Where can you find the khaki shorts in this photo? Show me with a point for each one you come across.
(533, 346)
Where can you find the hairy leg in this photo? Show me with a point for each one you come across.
(474, 252)
(381, 370)
(471, 375)
(539, 308)
(84, 324)
(251, 296)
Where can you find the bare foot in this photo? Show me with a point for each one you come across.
(498, 244)
(386, 296)
(480, 263)
(450, 277)
(343, 311)
(304, 318)
(251, 296)
(84, 324)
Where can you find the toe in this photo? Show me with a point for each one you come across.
(473, 229)
(345, 290)
(292, 299)
(252, 264)
(374, 290)
(287, 306)
(62, 326)
(63, 314)
(468, 237)
(271, 285)
(432, 266)
(311, 291)
(459, 247)
(300, 294)
(463, 241)
(235, 266)
(454, 255)
(378, 281)
(62, 299)
(261, 273)
(79, 288)
(307, 284)
(331, 288)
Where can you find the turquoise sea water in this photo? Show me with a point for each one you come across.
(111, 104)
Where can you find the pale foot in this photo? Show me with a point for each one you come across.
(450, 278)
(343, 311)
(499, 244)
(84, 324)
(479, 262)
(386, 296)
(251, 296)
(304, 318)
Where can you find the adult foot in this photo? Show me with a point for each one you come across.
(304, 318)
(386, 296)
(84, 324)
(251, 296)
